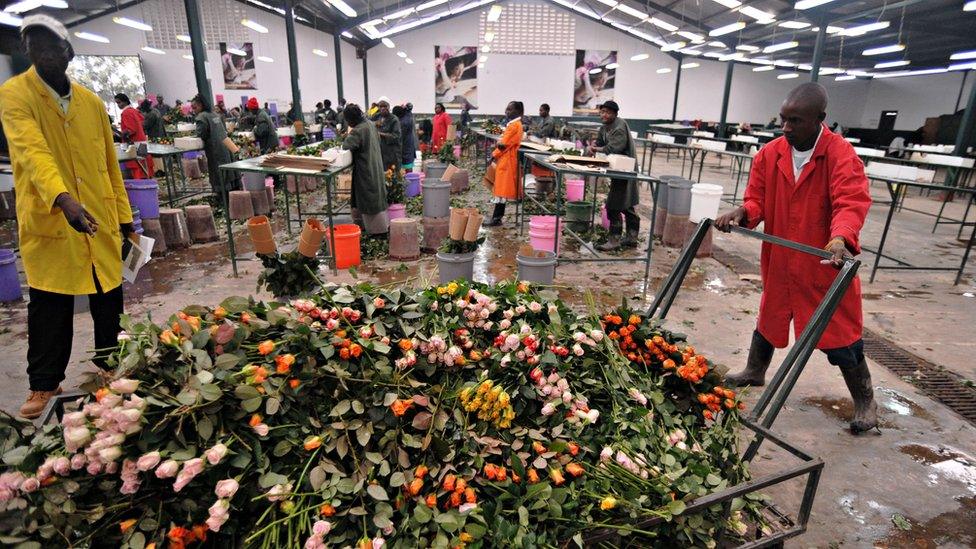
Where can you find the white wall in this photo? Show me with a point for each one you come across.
(915, 98)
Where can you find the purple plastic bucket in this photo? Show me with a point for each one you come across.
(192, 155)
(396, 211)
(413, 185)
(136, 220)
(9, 281)
(144, 194)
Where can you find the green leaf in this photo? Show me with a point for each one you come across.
(377, 492)
(137, 541)
(422, 514)
(381, 347)
(357, 407)
(523, 514)
(245, 392)
(251, 405)
(316, 477)
(205, 427)
(712, 479)
(389, 398)
(901, 522)
(187, 397)
(397, 479)
(226, 361)
(272, 406)
(236, 304)
(205, 376)
(676, 507)
(210, 391)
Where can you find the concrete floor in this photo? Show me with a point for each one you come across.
(914, 484)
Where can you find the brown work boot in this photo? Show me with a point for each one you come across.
(36, 402)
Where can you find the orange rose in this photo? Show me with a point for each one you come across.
(573, 448)
(266, 347)
(460, 485)
(401, 406)
(294, 383)
(255, 420)
(469, 495)
(449, 483)
(431, 501)
(344, 354)
(168, 337)
(420, 471)
(575, 469)
(405, 344)
(355, 350)
(327, 510)
(538, 447)
(416, 485)
(455, 500)
(200, 532)
(101, 393)
(283, 363)
(219, 312)
(533, 476)
(557, 476)
(245, 318)
(127, 525)
(312, 442)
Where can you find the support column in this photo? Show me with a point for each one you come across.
(296, 92)
(725, 98)
(966, 126)
(337, 46)
(962, 88)
(677, 89)
(818, 50)
(365, 83)
(199, 50)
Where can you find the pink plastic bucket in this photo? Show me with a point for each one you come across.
(606, 220)
(396, 211)
(542, 233)
(574, 189)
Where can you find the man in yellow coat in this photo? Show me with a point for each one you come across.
(72, 210)
(507, 180)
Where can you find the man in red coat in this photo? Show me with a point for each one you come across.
(130, 126)
(808, 186)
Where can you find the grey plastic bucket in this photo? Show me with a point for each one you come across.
(679, 197)
(434, 171)
(455, 266)
(253, 181)
(540, 270)
(662, 190)
(437, 198)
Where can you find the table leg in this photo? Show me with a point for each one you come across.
(288, 203)
(884, 233)
(558, 212)
(701, 164)
(230, 230)
(169, 180)
(328, 198)
(650, 238)
(962, 224)
(965, 255)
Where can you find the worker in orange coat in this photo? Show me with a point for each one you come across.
(507, 181)
(808, 186)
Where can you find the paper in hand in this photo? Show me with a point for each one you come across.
(134, 256)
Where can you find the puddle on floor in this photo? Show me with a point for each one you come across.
(841, 409)
(955, 528)
(900, 404)
(846, 502)
(947, 463)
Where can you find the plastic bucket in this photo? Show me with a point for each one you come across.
(9, 281)
(540, 269)
(455, 266)
(542, 233)
(253, 181)
(396, 211)
(192, 155)
(605, 219)
(136, 220)
(346, 245)
(457, 151)
(705, 199)
(578, 215)
(437, 199)
(679, 197)
(662, 190)
(435, 170)
(575, 189)
(412, 188)
(144, 194)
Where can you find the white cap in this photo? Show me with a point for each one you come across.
(45, 21)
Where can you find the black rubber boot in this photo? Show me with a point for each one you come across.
(630, 240)
(858, 380)
(497, 215)
(760, 355)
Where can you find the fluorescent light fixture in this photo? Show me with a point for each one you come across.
(733, 55)
(343, 7)
(969, 6)
(640, 57)
(738, 25)
(690, 65)
(807, 4)
(597, 70)
(265, 58)
(909, 73)
(237, 51)
(632, 12)
(788, 76)
(894, 48)
(691, 52)
(188, 57)
(320, 53)
(757, 14)
(713, 54)
(805, 67)
(388, 43)
(963, 55)
(794, 25)
(398, 15)
(402, 54)
(864, 29)
(431, 4)
(27, 5)
(486, 49)
(859, 73)
(663, 71)
(962, 66)
(132, 23)
(92, 37)
(831, 70)
(494, 13)
(781, 46)
(489, 36)
(253, 25)
(763, 68)
(347, 34)
(762, 61)
(693, 37)
(748, 48)
(184, 38)
(845, 77)
(731, 4)
(673, 46)
(892, 64)
(409, 61)
(157, 51)
(612, 66)
(783, 63)
(833, 30)
(7, 19)
(716, 44)
(662, 24)
(483, 58)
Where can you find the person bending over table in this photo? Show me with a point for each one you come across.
(614, 138)
(808, 186)
(505, 155)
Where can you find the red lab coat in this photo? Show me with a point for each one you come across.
(439, 134)
(830, 199)
(131, 121)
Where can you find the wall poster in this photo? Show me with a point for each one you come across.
(594, 80)
(456, 76)
(237, 62)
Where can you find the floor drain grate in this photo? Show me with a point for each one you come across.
(737, 263)
(933, 380)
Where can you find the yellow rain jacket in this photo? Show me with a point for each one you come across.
(52, 153)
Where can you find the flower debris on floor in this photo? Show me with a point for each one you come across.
(461, 415)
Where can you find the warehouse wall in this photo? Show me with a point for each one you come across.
(915, 99)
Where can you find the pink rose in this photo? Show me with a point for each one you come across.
(193, 466)
(124, 386)
(78, 461)
(261, 429)
(321, 527)
(606, 453)
(62, 466)
(74, 419)
(379, 303)
(31, 484)
(217, 453)
(535, 306)
(130, 487)
(378, 542)
(219, 513)
(167, 469)
(94, 468)
(110, 454)
(548, 409)
(226, 488)
(76, 437)
(148, 461)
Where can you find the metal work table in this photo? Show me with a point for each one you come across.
(693, 153)
(172, 165)
(895, 187)
(560, 171)
(328, 176)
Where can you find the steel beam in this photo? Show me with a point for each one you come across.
(198, 48)
(296, 92)
(966, 126)
(337, 44)
(677, 90)
(818, 51)
(365, 83)
(725, 98)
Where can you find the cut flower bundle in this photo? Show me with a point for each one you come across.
(459, 416)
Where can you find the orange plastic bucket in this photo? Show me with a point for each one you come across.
(346, 245)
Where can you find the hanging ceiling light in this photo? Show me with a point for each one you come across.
(788, 76)
(738, 25)
(910, 73)
(689, 51)
(320, 53)
(612, 66)
(690, 65)
(402, 54)
(894, 48)
(716, 44)
(845, 77)
(431, 4)
(969, 6)
(692, 37)
(748, 48)
(388, 43)
(342, 6)
(8, 19)
(673, 46)
(763, 68)
(864, 29)
(640, 57)
(187, 56)
(183, 38)
(663, 71)
(892, 64)
(486, 49)
(409, 61)
(237, 51)
(781, 46)
(962, 66)
(265, 58)
(760, 16)
(494, 13)
(132, 23)
(661, 24)
(157, 51)
(253, 25)
(731, 4)
(597, 70)
(794, 25)
(27, 5)
(807, 4)
(963, 55)
(92, 37)
(398, 14)
(347, 34)
(489, 36)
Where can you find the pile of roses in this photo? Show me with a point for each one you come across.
(458, 416)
